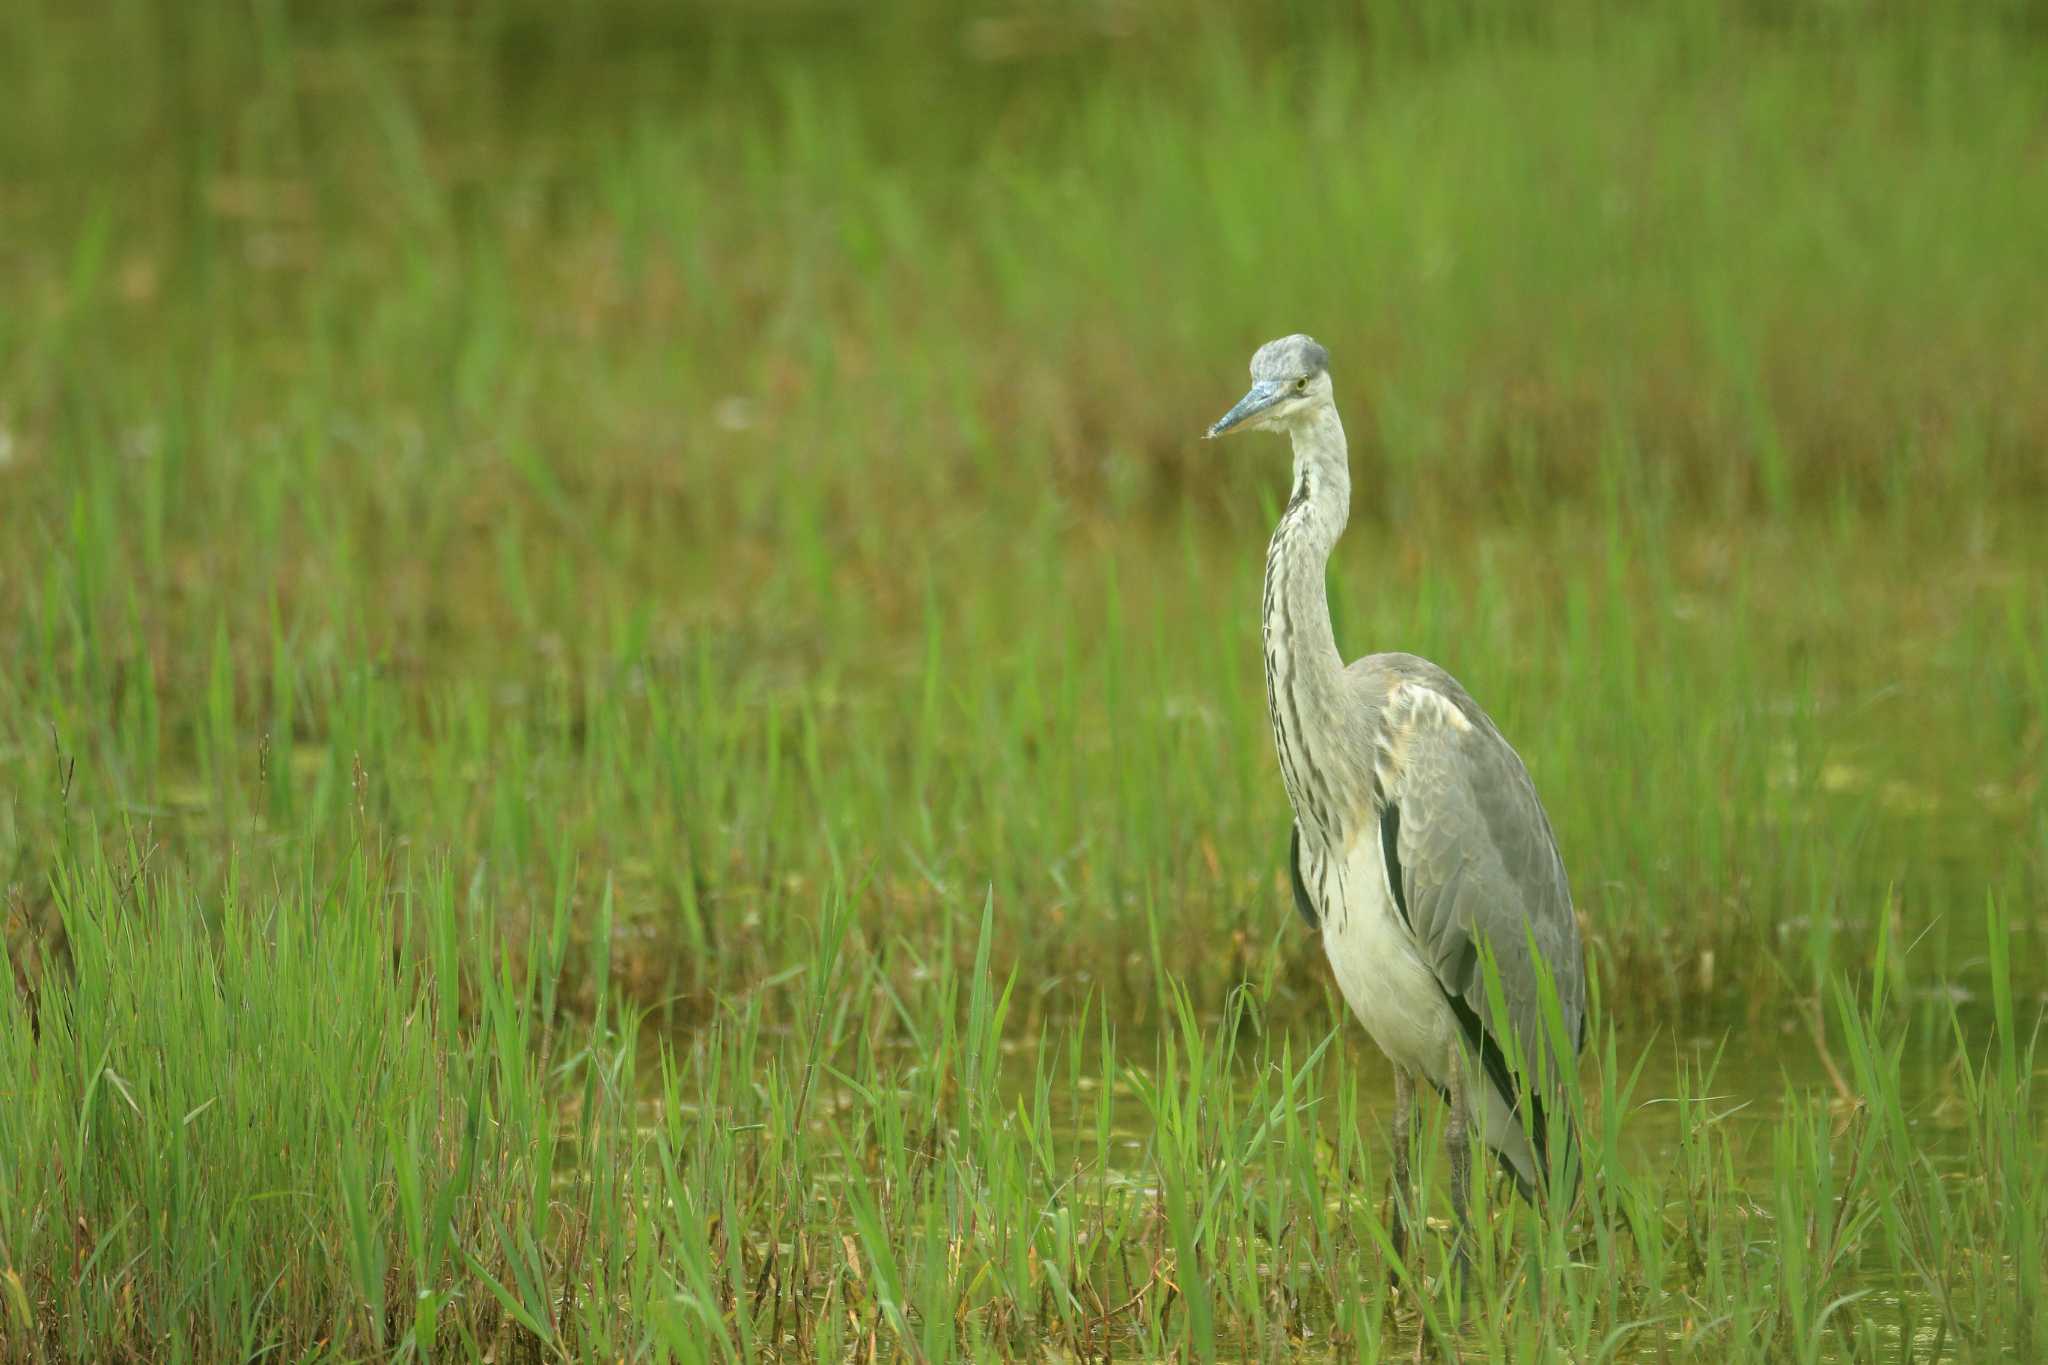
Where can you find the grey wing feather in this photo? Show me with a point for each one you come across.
(1304, 904)
(1476, 856)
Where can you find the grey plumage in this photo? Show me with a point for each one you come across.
(1419, 844)
(1289, 357)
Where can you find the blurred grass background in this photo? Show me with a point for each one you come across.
(715, 461)
(719, 447)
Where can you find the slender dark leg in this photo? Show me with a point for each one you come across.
(1460, 1152)
(1403, 1194)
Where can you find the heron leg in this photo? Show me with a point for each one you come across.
(1402, 1193)
(1458, 1147)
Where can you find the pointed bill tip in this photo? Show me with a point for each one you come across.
(1264, 394)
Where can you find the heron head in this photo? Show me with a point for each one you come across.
(1290, 379)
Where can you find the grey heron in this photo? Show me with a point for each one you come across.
(1419, 843)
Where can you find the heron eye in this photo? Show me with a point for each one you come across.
(1301, 384)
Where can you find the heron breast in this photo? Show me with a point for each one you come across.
(1378, 968)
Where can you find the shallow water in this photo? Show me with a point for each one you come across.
(1755, 1073)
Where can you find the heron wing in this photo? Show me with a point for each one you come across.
(1471, 860)
(1303, 904)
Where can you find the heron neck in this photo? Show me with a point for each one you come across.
(1304, 671)
(1322, 483)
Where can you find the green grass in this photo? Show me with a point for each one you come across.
(285, 1139)
(630, 722)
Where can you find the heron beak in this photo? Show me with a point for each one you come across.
(1264, 395)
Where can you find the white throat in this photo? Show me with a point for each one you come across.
(1304, 672)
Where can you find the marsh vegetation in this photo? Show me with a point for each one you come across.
(630, 719)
